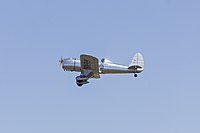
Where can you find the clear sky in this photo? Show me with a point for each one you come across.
(36, 96)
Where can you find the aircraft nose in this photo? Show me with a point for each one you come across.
(61, 61)
(65, 65)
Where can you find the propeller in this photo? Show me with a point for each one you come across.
(60, 61)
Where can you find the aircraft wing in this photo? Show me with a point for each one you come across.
(89, 66)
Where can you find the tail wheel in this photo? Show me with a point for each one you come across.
(135, 75)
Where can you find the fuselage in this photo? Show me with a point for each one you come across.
(105, 67)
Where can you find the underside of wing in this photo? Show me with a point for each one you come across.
(90, 66)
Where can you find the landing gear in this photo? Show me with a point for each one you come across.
(135, 75)
(79, 85)
(81, 80)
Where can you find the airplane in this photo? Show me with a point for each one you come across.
(89, 67)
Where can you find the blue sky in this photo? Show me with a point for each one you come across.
(37, 96)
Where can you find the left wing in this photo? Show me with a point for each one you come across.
(89, 66)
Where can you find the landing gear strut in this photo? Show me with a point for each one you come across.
(135, 75)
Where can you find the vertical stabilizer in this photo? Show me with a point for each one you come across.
(137, 62)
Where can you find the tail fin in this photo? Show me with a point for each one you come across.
(137, 62)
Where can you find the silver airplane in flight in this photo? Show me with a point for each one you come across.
(89, 67)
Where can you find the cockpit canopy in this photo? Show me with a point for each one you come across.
(103, 60)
